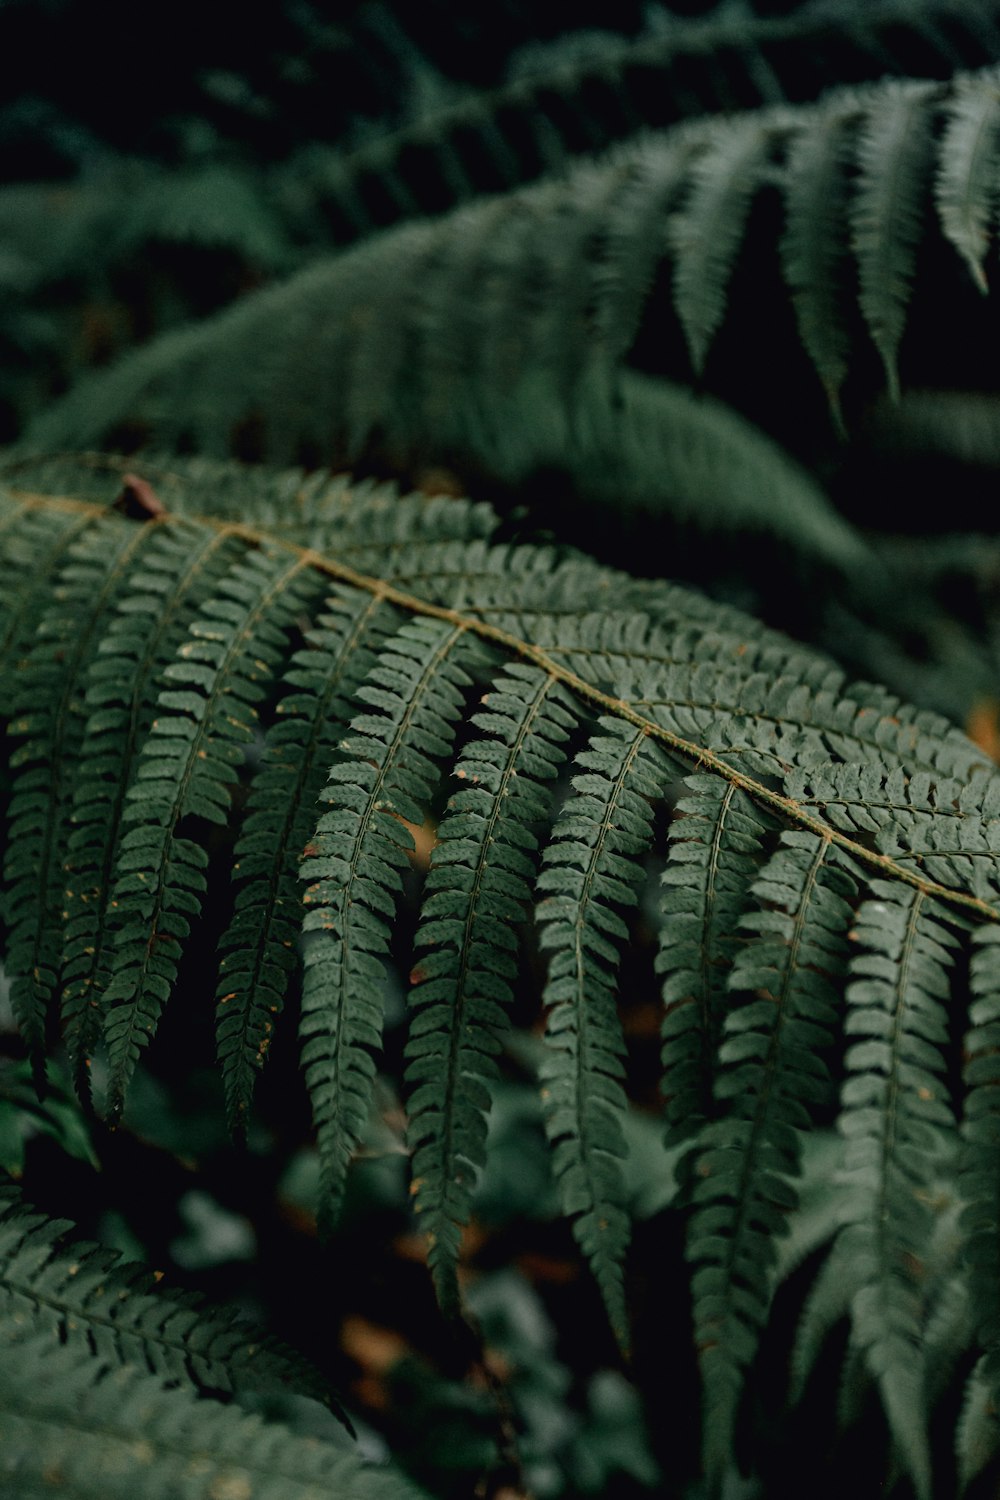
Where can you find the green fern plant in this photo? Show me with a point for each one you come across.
(818, 836)
(861, 173)
(111, 1384)
(284, 678)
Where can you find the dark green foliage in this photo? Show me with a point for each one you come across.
(229, 194)
(477, 887)
(789, 796)
(858, 173)
(186, 769)
(589, 873)
(773, 1082)
(356, 858)
(177, 572)
(469, 809)
(713, 856)
(66, 1419)
(897, 1122)
(258, 946)
(86, 1298)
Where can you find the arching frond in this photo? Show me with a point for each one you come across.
(378, 351)
(583, 725)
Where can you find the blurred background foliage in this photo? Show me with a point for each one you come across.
(156, 167)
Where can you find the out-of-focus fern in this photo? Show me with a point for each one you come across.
(67, 1419)
(427, 345)
(86, 1298)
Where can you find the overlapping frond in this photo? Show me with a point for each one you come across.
(68, 1420)
(258, 947)
(177, 571)
(377, 350)
(49, 722)
(715, 850)
(86, 1297)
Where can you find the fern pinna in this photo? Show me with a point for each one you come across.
(827, 861)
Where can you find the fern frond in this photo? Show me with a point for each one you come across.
(979, 1180)
(31, 545)
(178, 571)
(564, 98)
(88, 1298)
(782, 787)
(773, 721)
(828, 1303)
(348, 366)
(124, 1435)
(355, 863)
(977, 1435)
(478, 888)
(663, 451)
(815, 1220)
(963, 426)
(706, 232)
(942, 825)
(816, 200)
(634, 237)
(377, 351)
